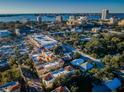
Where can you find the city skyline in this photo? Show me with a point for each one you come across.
(63, 6)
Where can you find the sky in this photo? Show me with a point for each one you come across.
(60, 6)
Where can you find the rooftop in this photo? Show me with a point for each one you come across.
(11, 86)
(113, 84)
(3, 63)
(4, 33)
(44, 40)
(86, 66)
(108, 86)
(48, 77)
(61, 89)
(77, 62)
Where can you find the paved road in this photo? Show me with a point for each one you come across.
(83, 54)
(97, 61)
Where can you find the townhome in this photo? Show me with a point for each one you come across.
(77, 62)
(46, 67)
(61, 89)
(10, 87)
(4, 65)
(5, 35)
(86, 66)
(47, 56)
(49, 78)
(40, 40)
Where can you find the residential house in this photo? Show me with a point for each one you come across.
(77, 62)
(46, 67)
(96, 29)
(48, 80)
(3, 65)
(107, 86)
(5, 35)
(61, 89)
(6, 50)
(10, 87)
(86, 66)
(50, 77)
(47, 56)
(63, 72)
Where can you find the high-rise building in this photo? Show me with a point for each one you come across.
(59, 18)
(39, 19)
(104, 14)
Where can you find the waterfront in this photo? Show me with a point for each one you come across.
(46, 17)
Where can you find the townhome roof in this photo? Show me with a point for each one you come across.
(11, 86)
(61, 89)
(77, 62)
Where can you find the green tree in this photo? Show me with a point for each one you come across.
(77, 55)
(120, 46)
(115, 61)
(115, 40)
(107, 59)
(74, 88)
(12, 60)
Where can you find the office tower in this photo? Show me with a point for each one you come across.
(104, 14)
(39, 19)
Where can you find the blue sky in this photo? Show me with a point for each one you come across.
(60, 6)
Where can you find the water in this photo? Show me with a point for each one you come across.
(32, 17)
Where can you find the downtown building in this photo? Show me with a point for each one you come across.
(39, 19)
(104, 15)
(59, 19)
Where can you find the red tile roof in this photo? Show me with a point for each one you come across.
(61, 89)
(15, 87)
(48, 77)
(40, 68)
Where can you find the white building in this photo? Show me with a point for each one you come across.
(41, 40)
(82, 19)
(96, 29)
(113, 20)
(17, 31)
(105, 13)
(59, 19)
(39, 19)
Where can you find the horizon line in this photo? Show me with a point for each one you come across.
(61, 13)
